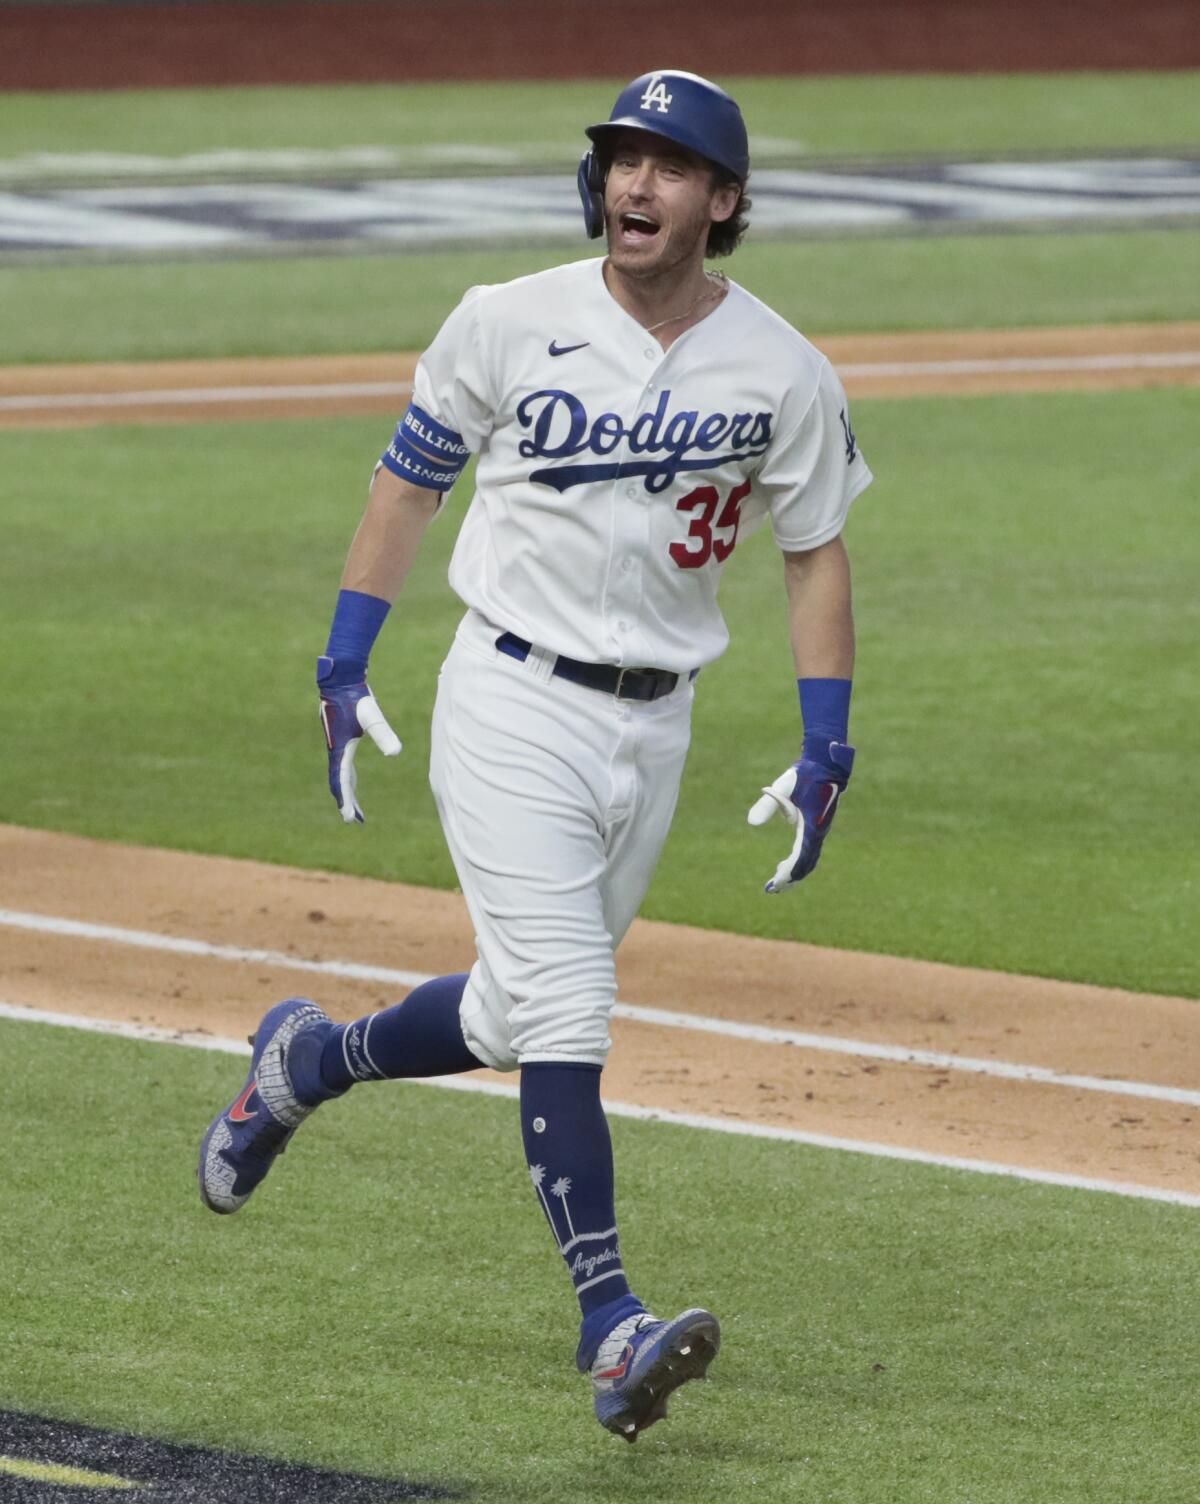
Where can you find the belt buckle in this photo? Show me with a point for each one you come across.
(620, 681)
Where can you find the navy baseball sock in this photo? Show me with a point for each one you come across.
(421, 1036)
(569, 1152)
(597, 1324)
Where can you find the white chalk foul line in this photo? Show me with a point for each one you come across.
(342, 390)
(1022, 365)
(187, 396)
(148, 940)
(903, 1055)
(635, 1013)
(646, 1114)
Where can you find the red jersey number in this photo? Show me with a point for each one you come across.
(702, 541)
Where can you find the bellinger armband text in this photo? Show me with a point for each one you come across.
(426, 452)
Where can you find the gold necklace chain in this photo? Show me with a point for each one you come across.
(720, 288)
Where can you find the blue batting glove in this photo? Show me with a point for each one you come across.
(807, 797)
(346, 712)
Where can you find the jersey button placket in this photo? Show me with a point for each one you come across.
(625, 591)
(614, 604)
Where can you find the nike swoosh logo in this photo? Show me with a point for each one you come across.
(566, 349)
(237, 1113)
(830, 802)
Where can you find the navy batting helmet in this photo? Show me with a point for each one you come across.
(683, 107)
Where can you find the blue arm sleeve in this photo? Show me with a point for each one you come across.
(825, 708)
(356, 623)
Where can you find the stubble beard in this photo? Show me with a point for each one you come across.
(684, 247)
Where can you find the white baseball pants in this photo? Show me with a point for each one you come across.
(555, 800)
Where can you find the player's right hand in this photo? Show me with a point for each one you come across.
(346, 712)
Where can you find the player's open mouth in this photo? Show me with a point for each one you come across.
(635, 227)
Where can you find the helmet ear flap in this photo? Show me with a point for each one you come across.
(591, 179)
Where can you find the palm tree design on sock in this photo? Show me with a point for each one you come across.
(537, 1173)
(560, 1188)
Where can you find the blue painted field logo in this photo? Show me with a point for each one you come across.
(673, 442)
(44, 1461)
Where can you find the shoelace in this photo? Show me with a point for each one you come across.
(269, 1139)
(615, 1343)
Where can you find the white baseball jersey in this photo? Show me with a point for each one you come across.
(615, 478)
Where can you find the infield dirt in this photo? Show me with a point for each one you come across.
(1064, 1027)
(954, 364)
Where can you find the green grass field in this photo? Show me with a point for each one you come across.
(391, 1303)
(1022, 704)
(396, 302)
(789, 117)
(334, 304)
(1026, 798)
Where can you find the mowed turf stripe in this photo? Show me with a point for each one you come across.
(634, 1013)
(144, 1033)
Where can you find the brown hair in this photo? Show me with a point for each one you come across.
(724, 236)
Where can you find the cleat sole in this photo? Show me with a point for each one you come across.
(684, 1357)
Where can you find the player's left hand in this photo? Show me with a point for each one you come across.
(807, 797)
(346, 713)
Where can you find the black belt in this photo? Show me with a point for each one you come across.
(625, 683)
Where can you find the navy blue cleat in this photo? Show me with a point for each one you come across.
(643, 1360)
(242, 1142)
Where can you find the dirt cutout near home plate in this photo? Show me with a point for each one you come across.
(850, 1001)
(957, 363)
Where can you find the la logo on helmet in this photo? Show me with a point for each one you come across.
(656, 95)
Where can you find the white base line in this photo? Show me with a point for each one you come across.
(646, 1114)
(1015, 365)
(663, 1017)
(186, 396)
(147, 940)
(1022, 364)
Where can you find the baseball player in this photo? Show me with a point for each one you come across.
(634, 417)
